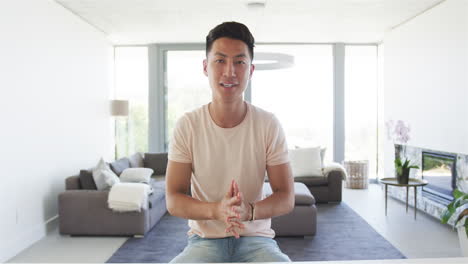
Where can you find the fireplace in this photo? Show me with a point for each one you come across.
(443, 171)
(440, 172)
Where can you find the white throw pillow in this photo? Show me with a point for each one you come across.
(136, 175)
(322, 153)
(103, 176)
(111, 178)
(306, 162)
(136, 160)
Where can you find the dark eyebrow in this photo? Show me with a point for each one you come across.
(220, 54)
(242, 55)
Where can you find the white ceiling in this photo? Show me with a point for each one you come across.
(169, 21)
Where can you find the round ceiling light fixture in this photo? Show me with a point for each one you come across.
(272, 61)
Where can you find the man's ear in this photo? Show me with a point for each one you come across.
(252, 69)
(205, 65)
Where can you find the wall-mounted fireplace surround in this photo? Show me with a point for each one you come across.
(431, 200)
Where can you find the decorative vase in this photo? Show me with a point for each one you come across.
(403, 178)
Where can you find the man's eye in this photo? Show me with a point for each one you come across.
(219, 61)
(241, 62)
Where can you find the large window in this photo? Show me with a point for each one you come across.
(300, 96)
(187, 86)
(361, 105)
(131, 83)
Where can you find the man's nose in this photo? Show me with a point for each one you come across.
(229, 70)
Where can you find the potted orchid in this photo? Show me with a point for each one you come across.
(457, 213)
(399, 132)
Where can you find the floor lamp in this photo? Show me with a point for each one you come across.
(118, 108)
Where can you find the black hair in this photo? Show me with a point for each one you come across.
(233, 30)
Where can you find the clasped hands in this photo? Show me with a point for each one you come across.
(233, 210)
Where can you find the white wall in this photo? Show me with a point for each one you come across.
(426, 83)
(54, 90)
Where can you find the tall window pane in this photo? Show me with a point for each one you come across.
(131, 83)
(300, 96)
(187, 86)
(361, 105)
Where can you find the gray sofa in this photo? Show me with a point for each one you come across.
(83, 209)
(325, 189)
(85, 212)
(302, 220)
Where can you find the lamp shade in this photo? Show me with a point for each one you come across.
(119, 107)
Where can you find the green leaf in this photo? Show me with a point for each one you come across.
(405, 165)
(458, 202)
(457, 193)
(397, 163)
(447, 213)
(445, 216)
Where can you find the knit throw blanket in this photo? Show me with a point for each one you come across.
(128, 197)
(333, 166)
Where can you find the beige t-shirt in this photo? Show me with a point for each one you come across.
(219, 155)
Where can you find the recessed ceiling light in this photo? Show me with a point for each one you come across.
(256, 5)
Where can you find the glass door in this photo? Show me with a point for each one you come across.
(187, 86)
(361, 105)
(299, 94)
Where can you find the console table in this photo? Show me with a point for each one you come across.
(411, 183)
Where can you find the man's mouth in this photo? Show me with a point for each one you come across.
(228, 85)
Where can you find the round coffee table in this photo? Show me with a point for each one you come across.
(411, 183)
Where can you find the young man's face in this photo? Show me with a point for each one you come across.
(229, 68)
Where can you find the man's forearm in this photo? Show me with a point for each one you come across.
(279, 203)
(184, 206)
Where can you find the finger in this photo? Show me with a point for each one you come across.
(235, 211)
(233, 229)
(228, 216)
(236, 188)
(230, 229)
(233, 201)
(233, 188)
(230, 192)
(234, 226)
(235, 233)
(232, 220)
(240, 196)
(238, 210)
(235, 222)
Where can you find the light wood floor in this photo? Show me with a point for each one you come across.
(421, 238)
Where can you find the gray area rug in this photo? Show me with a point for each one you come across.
(341, 235)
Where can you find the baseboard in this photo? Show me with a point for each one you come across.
(27, 239)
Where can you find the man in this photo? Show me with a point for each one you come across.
(220, 153)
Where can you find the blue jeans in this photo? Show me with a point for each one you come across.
(230, 249)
